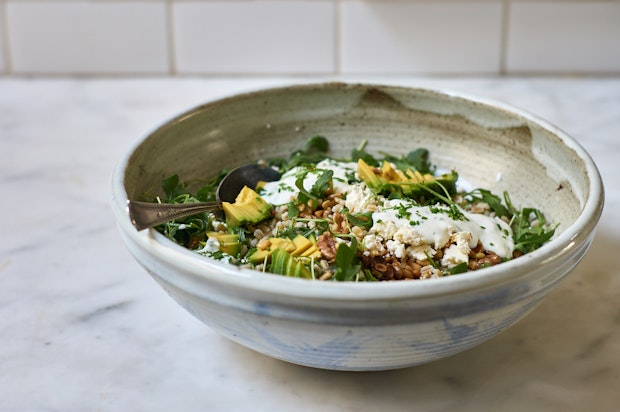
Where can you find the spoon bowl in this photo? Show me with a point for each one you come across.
(144, 215)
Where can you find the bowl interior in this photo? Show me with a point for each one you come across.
(491, 146)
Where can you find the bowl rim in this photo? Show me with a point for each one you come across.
(202, 269)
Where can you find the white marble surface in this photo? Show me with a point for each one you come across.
(83, 327)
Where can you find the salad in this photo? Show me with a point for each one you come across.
(365, 218)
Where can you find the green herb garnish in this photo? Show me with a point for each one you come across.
(347, 262)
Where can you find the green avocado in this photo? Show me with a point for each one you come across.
(410, 181)
(299, 246)
(369, 174)
(282, 263)
(249, 207)
(229, 242)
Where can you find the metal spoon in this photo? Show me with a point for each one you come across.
(144, 214)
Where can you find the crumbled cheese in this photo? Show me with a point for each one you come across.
(413, 225)
(408, 235)
(420, 252)
(217, 224)
(212, 245)
(458, 252)
(360, 199)
(374, 245)
(428, 272)
(384, 228)
(396, 248)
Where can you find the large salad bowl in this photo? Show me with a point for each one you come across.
(372, 325)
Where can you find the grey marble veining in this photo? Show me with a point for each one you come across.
(83, 327)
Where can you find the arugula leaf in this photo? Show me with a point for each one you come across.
(315, 150)
(458, 269)
(368, 277)
(415, 160)
(360, 153)
(419, 160)
(359, 219)
(172, 187)
(293, 210)
(278, 163)
(207, 193)
(316, 144)
(494, 201)
(317, 190)
(322, 183)
(347, 261)
(304, 195)
(530, 229)
(453, 210)
(188, 231)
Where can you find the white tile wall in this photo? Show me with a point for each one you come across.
(3, 46)
(254, 37)
(3, 41)
(293, 37)
(88, 37)
(421, 37)
(564, 36)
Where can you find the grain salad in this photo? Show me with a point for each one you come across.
(364, 218)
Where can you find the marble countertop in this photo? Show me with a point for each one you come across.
(84, 328)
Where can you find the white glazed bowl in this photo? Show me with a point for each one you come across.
(366, 326)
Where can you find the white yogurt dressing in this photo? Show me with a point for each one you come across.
(284, 190)
(435, 228)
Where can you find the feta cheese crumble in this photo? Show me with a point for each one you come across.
(413, 230)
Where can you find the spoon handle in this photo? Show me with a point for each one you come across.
(144, 215)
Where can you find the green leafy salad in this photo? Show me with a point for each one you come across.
(365, 218)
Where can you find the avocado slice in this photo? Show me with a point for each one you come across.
(249, 207)
(257, 256)
(306, 247)
(282, 243)
(299, 246)
(368, 174)
(282, 263)
(231, 248)
(410, 180)
(229, 242)
(224, 237)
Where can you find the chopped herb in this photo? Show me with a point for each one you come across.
(402, 212)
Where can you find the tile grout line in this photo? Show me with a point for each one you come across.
(337, 38)
(503, 71)
(170, 38)
(5, 44)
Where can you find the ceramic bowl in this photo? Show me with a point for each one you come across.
(366, 326)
